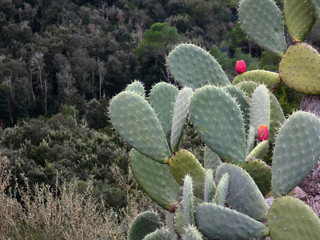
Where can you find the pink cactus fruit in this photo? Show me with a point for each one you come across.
(263, 133)
(241, 66)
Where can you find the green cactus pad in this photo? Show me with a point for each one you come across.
(135, 121)
(159, 234)
(296, 151)
(250, 139)
(209, 186)
(260, 108)
(243, 194)
(180, 117)
(259, 151)
(243, 102)
(145, 223)
(136, 87)
(192, 233)
(248, 87)
(187, 200)
(211, 159)
(155, 179)
(269, 79)
(316, 7)
(299, 69)
(262, 21)
(191, 66)
(222, 190)
(162, 98)
(261, 174)
(180, 223)
(290, 218)
(300, 18)
(170, 224)
(276, 116)
(219, 122)
(217, 222)
(184, 162)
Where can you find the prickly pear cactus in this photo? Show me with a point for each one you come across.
(262, 21)
(136, 121)
(145, 223)
(233, 226)
(297, 149)
(290, 218)
(191, 66)
(219, 122)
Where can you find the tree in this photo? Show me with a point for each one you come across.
(102, 70)
(157, 41)
(37, 67)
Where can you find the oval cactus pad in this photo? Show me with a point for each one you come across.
(136, 122)
(162, 98)
(262, 21)
(289, 218)
(297, 149)
(191, 66)
(299, 69)
(155, 179)
(217, 222)
(300, 18)
(219, 122)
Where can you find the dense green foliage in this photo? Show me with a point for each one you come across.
(44, 150)
(57, 52)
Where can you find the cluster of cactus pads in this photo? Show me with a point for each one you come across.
(241, 125)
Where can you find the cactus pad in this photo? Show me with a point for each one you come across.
(290, 218)
(155, 179)
(184, 162)
(243, 194)
(209, 186)
(211, 159)
(159, 234)
(259, 151)
(260, 173)
(269, 79)
(162, 98)
(276, 115)
(219, 122)
(299, 69)
(135, 121)
(187, 200)
(297, 149)
(222, 190)
(260, 108)
(191, 66)
(180, 223)
(136, 87)
(262, 21)
(180, 117)
(192, 233)
(145, 223)
(316, 6)
(217, 222)
(242, 100)
(300, 18)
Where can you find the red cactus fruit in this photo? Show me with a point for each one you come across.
(241, 66)
(263, 133)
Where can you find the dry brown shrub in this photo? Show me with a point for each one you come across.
(68, 215)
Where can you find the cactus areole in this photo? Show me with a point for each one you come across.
(241, 66)
(263, 133)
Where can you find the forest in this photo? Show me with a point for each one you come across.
(61, 63)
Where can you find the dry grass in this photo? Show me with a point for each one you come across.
(68, 215)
